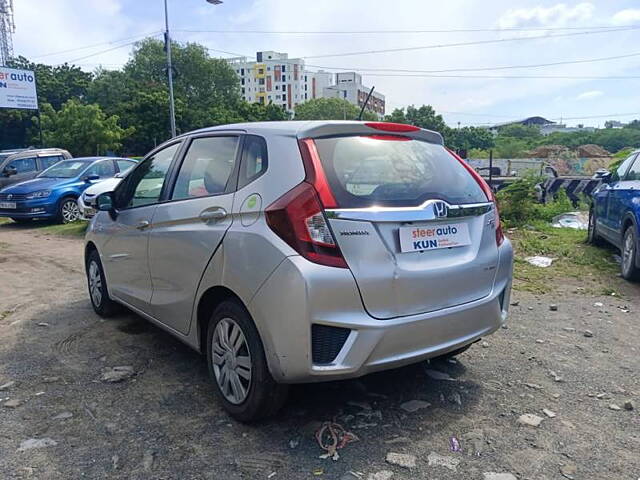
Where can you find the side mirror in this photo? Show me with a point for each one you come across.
(606, 177)
(104, 202)
(8, 171)
(90, 178)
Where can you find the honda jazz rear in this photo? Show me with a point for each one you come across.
(350, 248)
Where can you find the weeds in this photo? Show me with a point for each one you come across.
(574, 258)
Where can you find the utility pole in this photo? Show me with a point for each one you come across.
(167, 41)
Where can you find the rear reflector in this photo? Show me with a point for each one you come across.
(392, 127)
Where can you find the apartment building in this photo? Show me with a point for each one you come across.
(348, 85)
(275, 78)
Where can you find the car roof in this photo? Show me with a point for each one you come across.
(313, 128)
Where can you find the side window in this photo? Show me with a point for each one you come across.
(144, 185)
(50, 160)
(23, 165)
(124, 165)
(104, 169)
(624, 166)
(254, 160)
(634, 171)
(206, 168)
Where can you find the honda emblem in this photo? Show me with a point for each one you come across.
(440, 209)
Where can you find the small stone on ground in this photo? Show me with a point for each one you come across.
(530, 419)
(414, 405)
(36, 443)
(381, 475)
(499, 476)
(436, 460)
(117, 374)
(401, 459)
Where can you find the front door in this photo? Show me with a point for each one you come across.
(125, 250)
(605, 202)
(189, 227)
(618, 191)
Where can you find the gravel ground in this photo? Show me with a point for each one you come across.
(59, 420)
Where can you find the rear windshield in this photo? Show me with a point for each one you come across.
(366, 171)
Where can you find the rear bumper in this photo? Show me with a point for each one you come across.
(328, 296)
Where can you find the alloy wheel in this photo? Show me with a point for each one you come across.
(95, 283)
(231, 361)
(70, 211)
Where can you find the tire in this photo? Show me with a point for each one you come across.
(629, 254)
(97, 285)
(453, 353)
(22, 221)
(257, 396)
(592, 236)
(68, 210)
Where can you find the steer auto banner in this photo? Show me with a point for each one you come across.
(18, 89)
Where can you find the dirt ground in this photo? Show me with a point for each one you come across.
(580, 362)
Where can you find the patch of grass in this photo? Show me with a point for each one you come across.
(574, 258)
(75, 229)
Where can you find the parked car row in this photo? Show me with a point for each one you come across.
(55, 192)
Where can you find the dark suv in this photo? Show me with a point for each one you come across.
(24, 164)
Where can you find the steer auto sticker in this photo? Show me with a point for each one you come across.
(434, 236)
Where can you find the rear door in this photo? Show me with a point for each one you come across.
(414, 226)
(189, 226)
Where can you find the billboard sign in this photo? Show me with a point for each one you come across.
(18, 89)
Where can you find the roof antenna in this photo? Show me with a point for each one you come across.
(365, 103)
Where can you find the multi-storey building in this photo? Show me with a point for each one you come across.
(349, 86)
(275, 78)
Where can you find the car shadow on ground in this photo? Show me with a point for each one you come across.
(170, 402)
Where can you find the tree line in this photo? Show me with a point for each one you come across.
(126, 111)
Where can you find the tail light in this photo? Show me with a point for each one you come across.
(487, 191)
(298, 216)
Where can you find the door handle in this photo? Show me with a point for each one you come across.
(143, 224)
(217, 213)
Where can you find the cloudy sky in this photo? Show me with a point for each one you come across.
(499, 33)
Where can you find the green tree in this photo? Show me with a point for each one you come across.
(423, 117)
(509, 147)
(84, 130)
(467, 138)
(330, 109)
(515, 130)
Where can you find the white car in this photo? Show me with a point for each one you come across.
(86, 202)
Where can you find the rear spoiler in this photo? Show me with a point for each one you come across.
(347, 128)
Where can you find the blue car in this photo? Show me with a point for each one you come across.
(53, 193)
(615, 214)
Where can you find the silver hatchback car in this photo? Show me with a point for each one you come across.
(292, 252)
